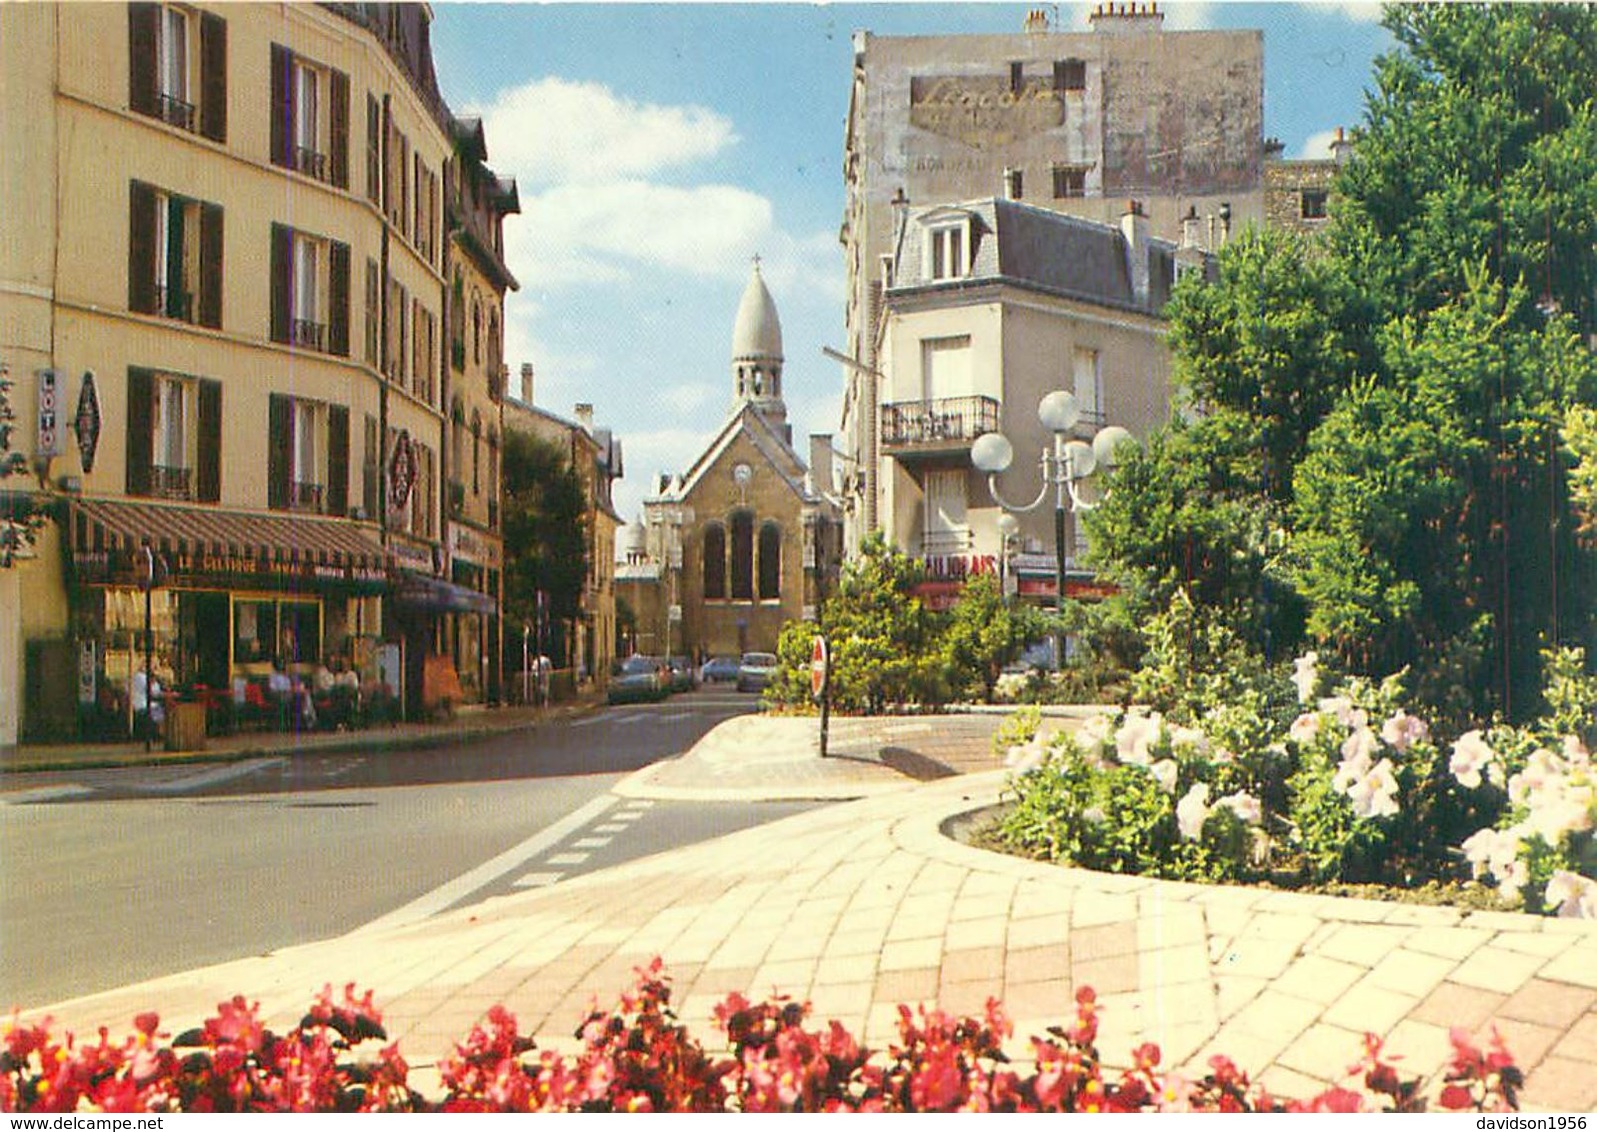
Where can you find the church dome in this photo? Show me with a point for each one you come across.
(758, 332)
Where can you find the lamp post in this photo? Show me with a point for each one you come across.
(1066, 466)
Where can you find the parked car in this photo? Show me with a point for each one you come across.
(682, 677)
(639, 679)
(754, 673)
(719, 669)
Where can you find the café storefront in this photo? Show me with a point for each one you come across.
(234, 596)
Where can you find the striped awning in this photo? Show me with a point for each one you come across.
(205, 541)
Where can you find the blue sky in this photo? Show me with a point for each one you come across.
(660, 146)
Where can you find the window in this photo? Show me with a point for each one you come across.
(374, 286)
(269, 629)
(946, 368)
(1312, 204)
(307, 456)
(944, 530)
(310, 291)
(1070, 74)
(476, 452)
(714, 562)
(1014, 183)
(770, 562)
(476, 330)
(310, 117)
(1069, 181)
(949, 249)
(395, 360)
(371, 468)
(374, 150)
(421, 374)
(742, 556)
(493, 480)
(177, 67)
(1017, 77)
(174, 256)
(457, 439)
(174, 439)
(1088, 384)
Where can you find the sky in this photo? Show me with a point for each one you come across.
(659, 147)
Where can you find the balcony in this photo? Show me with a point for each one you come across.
(304, 496)
(934, 428)
(171, 483)
(311, 335)
(310, 163)
(174, 303)
(176, 112)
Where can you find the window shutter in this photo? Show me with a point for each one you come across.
(213, 76)
(338, 127)
(337, 460)
(374, 143)
(141, 58)
(210, 302)
(282, 104)
(208, 466)
(141, 248)
(282, 269)
(279, 438)
(140, 438)
(338, 300)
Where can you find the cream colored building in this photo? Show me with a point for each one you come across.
(235, 235)
(595, 454)
(1072, 122)
(989, 306)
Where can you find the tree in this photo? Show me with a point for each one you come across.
(544, 518)
(984, 632)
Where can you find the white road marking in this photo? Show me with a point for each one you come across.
(45, 794)
(486, 873)
(223, 773)
(538, 880)
(591, 843)
(588, 722)
(669, 716)
(567, 858)
(611, 827)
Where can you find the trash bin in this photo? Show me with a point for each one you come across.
(185, 727)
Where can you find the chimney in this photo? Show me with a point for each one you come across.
(821, 460)
(526, 383)
(1191, 228)
(1341, 147)
(1131, 16)
(1134, 227)
(584, 415)
(1036, 21)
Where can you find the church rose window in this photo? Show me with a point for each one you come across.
(770, 562)
(742, 556)
(714, 562)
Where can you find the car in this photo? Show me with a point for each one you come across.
(682, 676)
(754, 672)
(639, 679)
(719, 669)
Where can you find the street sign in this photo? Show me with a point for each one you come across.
(820, 667)
(48, 442)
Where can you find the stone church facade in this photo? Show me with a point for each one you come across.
(744, 540)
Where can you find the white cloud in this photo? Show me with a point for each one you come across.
(1317, 146)
(552, 131)
(690, 399)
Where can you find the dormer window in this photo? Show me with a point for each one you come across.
(948, 249)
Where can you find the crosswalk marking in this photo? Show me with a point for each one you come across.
(566, 859)
(538, 880)
(591, 843)
(611, 827)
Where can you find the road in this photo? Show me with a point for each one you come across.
(112, 876)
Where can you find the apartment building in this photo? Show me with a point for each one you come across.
(228, 287)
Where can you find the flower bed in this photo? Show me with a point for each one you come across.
(1345, 788)
(638, 1058)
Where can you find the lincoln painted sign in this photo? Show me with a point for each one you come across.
(199, 568)
(984, 110)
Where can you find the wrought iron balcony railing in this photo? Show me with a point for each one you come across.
(176, 112)
(311, 335)
(171, 483)
(174, 303)
(311, 163)
(944, 424)
(304, 496)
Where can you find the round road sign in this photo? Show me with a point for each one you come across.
(819, 668)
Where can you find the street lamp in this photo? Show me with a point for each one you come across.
(1067, 466)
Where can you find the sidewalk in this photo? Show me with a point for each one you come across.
(863, 905)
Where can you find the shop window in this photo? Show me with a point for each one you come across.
(742, 556)
(310, 291)
(310, 117)
(274, 630)
(174, 256)
(177, 67)
(770, 562)
(714, 562)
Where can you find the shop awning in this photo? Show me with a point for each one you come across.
(204, 544)
(439, 596)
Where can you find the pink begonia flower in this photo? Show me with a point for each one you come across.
(1165, 770)
(1244, 805)
(1471, 755)
(1304, 728)
(1403, 730)
(1191, 738)
(1346, 714)
(1360, 744)
(1374, 795)
(1192, 811)
(1136, 737)
(1306, 675)
(1575, 895)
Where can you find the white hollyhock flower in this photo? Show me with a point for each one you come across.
(1137, 736)
(1403, 730)
(1304, 728)
(1165, 770)
(1471, 755)
(1361, 744)
(1244, 805)
(1375, 794)
(1575, 895)
(1306, 676)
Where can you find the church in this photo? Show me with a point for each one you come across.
(748, 537)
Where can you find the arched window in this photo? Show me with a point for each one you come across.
(742, 556)
(770, 562)
(476, 452)
(714, 562)
(476, 331)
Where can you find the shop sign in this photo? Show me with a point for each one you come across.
(49, 439)
(938, 596)
(88, 666)
(401, 472)
(405, 556)
(1074, 588)
(957, 567)
(468, 544)
(191, 568)
(86, 422)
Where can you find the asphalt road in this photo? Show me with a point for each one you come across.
(113, 876)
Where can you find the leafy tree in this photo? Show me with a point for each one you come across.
(544, 519)
(1580, 437)
(984, 632)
